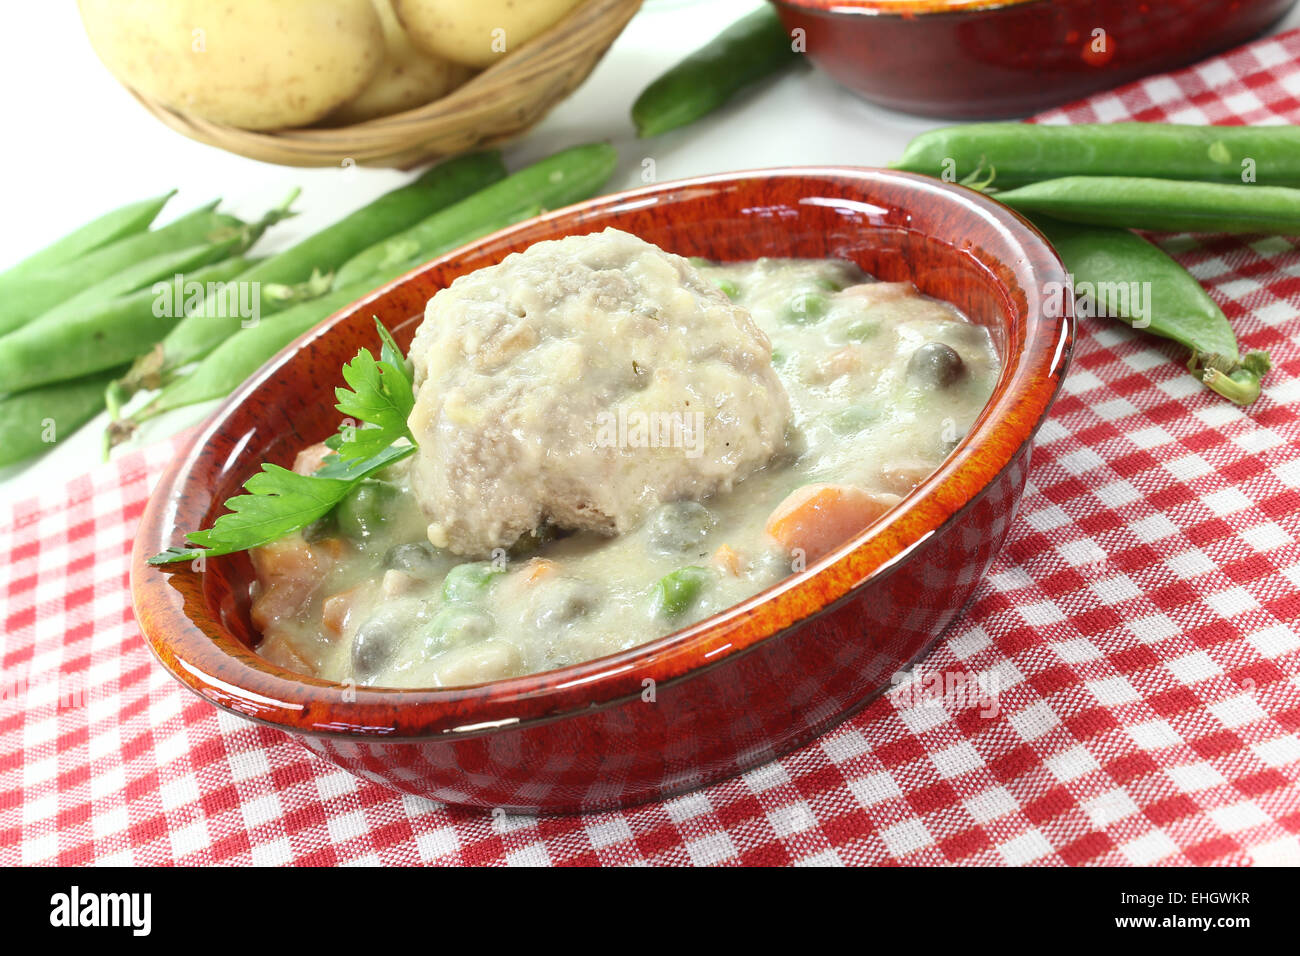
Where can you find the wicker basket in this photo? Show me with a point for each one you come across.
(497, 105)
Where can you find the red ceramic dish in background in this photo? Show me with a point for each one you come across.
(730, 692)
(985, 59)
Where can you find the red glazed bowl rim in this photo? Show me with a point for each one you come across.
(210, 660)
(903, 10)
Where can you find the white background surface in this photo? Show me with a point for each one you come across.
(79, 145)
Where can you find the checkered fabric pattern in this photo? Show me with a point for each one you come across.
(1125, 687)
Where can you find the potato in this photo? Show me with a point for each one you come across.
(477, 32)
(256, 64)
(408, 77)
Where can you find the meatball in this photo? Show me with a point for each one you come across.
(582, 383)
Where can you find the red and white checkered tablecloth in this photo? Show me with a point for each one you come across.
(1141, 629)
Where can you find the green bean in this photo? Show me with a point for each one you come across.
(208, 326)
(675, 592)
(1022, 153)
(1161, 205)
(68, 342)
(558, 180)
(124, 221)
(1111, 268)
(33, 421)
(42, 291)
(750, 49)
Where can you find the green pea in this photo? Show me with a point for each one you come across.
(729, 289)
(675, 592)
(321, 528)
(850, 421)
(861, 331)
(828, 283)
(365, 509)
(469, 582)
(456, 624)
(807, 307)
(779, 357)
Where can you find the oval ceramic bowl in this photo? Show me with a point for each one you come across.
(997, 58)
(706, 702)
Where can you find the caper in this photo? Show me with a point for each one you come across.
(562, 601)
(935, 364)
(416, 559)
(376, 642)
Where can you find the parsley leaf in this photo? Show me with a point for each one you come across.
(390, 353)
(279, 501)
(353, 470)
(381, 395)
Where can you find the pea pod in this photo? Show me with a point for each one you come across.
(67, 343)
(210, 325)
(124, 221)
(43, 290)
(675, 593)
(33, 421)
(231, 363)
(1161, 205)
(227, 366)
(131, 280)
(1114, 266)
(558, 180)
(751, 48)
(1022, 153)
